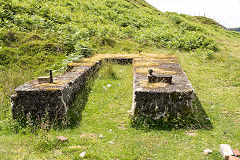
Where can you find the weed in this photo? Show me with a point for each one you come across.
(47, 143)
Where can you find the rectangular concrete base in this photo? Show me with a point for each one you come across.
(51, 100)
(160, 100)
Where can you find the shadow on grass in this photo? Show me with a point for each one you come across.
(197, 119)
(74, 115)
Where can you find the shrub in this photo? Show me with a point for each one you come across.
(7, 56)
(189, 42)
(8, 37)
(83, 48)
(176, 19)
(184, 26)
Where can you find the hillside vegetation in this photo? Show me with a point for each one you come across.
(235, 29)
(44, 30)
(38, 35)
(35, 31)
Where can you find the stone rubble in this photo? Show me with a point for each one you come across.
(236, 152)
(82, 154)
(62, 138)
(207, 151)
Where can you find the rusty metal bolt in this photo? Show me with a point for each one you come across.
(150, 71)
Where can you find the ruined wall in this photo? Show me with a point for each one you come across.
(51, 99)
(149, 99)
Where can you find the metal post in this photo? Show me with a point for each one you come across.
(51, 77)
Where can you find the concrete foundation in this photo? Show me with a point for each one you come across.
(156, 100)
(153, 100)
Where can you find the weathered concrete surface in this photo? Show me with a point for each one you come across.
(149, 99)
(51, 99)
(161, 99)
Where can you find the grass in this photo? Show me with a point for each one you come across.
(104, 111)
(35, 39)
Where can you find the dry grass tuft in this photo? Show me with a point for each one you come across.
(102, 56)
(86, 64)
(78, 70)
(144, 70)
(147, 64)
(159, 56)
(144, 59)
(146, 84)
(53, 89)
(56, 84)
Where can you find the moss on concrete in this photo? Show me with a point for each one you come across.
(56, 85)
(147, 64)
(160, 56)
(87, 64)
(72, 81)
(144, 70)
(52, 89)
(147, 85)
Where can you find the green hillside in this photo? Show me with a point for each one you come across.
(44, 30)
(38, 35)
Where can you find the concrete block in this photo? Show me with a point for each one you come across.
(44, 79)
(225, 151)
(233, 158)
(236, 152)
(156, 100)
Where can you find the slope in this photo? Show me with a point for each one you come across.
(38, 35)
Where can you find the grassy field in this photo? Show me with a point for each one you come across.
(36, 36)
(105, 112)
